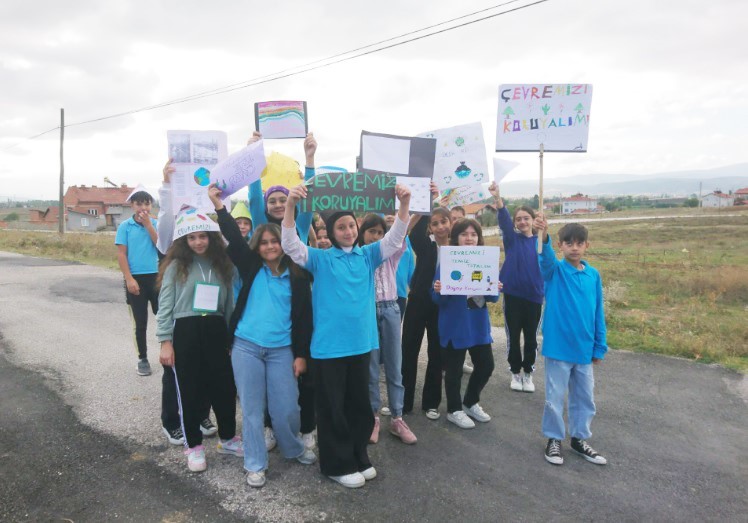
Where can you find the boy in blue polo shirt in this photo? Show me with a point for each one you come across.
(138, 260)
(573, 340)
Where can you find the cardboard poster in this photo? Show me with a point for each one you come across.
(240, 169)
(281, 170)
(195, 154)
(463, 196)
(556, 115)
(469, 270)
(410, 158)
(281, 119)
(355, 192)
(461, 157)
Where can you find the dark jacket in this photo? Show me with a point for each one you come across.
(249, 263)
(426, 254)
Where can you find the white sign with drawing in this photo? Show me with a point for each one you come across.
(461, 157)
(556, 115)
(466, 195)
(240, 169)
(469, 270)
(194, 155)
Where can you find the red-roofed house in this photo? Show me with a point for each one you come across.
(106, 202)
(741, 193)
(578, 202)
(718, 199)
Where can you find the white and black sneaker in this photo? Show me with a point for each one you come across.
(208, 428)
(175, 437)
(582, 448)
(553, 452)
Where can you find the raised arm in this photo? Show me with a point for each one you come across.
(165, 225)
(548, 259)
(394, 239)
(504, 218)
(237, 249)
(256, 201)
(290, 241)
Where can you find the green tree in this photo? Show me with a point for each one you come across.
(12, 217)
(691, 202)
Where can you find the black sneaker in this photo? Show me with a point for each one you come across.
(144, 368)
(207, 427)
(583, 449)
(175, 437)
(553, 452)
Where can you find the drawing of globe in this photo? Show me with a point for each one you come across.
(456, 275)
(202, 177)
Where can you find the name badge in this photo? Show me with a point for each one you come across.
(206, 297)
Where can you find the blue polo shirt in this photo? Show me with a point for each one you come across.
(574, 318)
(405, 270)
(142, 256)
(266, 320)
(345, 321)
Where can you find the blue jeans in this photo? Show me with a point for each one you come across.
(264, 376)
(580, 382)
(391, 355)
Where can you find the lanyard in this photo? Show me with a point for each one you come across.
(210, 272)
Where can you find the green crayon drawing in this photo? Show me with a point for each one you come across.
(545, 109)
(508, 112)
(579, 108)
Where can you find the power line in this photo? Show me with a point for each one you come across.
(311, 66)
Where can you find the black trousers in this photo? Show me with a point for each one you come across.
(421, 314)
(483, 365)
(204, 370)
(521, 316)
(344, 417)
(139, 308)
(306, 402)
(170, 404)
(402, 302)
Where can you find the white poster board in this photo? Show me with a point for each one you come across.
(556, 115)
(461, 157)
(501, 168)
(463, 196)
(469, 270)
(194, 155)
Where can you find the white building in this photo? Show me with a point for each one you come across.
(578, 202)
(717, 200)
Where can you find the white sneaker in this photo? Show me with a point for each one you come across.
(477, 413)
(527, 384)
(460, 419)
(308, 457)
(432, 414)
(467, 368)
(385, 411)
(196, 459)
(369, 473)
(270, 441)
(256, 479)
(516, 382)
(308, 440)
(354, 480)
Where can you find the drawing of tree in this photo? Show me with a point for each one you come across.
(545, 109)
(508, 112)
(579, 108)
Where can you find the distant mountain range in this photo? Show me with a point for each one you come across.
(676, 183)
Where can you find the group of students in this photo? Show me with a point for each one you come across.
(297, 318)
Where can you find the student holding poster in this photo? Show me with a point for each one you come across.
(464, 327)
(345, 332)
(523, 290)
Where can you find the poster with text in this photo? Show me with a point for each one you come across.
(195, 154)
(461, 157)
(463, 196)
(240, 169)
(281, 119)
(354, 192)
(469, 270)
(556, 115)
(409, 158)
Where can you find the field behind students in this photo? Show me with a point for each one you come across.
(676, 286)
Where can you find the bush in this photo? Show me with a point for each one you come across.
(12, 217)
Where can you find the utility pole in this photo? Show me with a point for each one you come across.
(61, 217)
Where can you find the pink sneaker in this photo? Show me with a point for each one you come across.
(375, 433)
(196, 459)
(399, 428)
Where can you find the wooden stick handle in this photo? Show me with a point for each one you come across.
(540, 198)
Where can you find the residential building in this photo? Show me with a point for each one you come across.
(717, 200)
(579, 202)
(107, 202)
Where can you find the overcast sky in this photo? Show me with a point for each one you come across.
(669, 79)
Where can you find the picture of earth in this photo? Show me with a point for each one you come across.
(202, 177)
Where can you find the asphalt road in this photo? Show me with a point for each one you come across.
(80, 435)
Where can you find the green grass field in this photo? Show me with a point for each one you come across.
(676, 286)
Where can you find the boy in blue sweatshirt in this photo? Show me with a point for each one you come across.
(573, 340)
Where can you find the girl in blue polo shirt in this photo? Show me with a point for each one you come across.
(345, 331)
(523, 290)
(464, 327)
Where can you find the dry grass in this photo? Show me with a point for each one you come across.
(93, 249)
